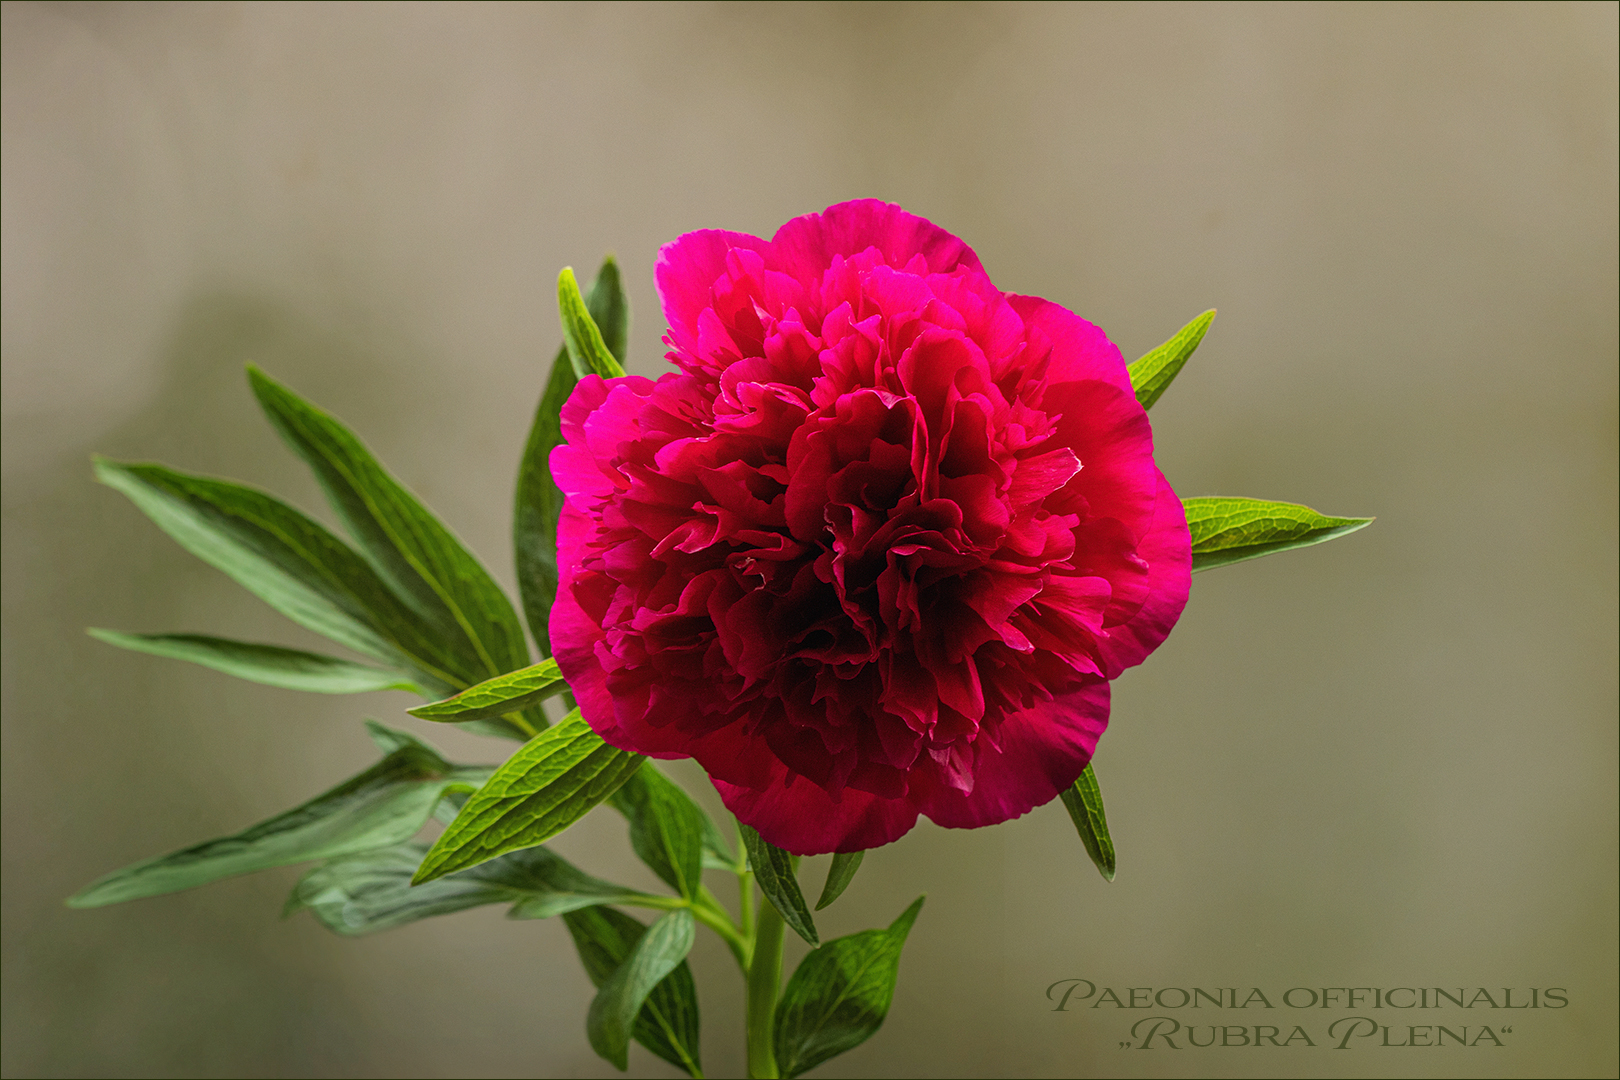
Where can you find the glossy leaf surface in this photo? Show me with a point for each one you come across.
(774, 871)
(551, 782)
(840, 995)
(1228, 530)
(1083, 800)
(292, 669)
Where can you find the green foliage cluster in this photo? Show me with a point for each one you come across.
(405, 594)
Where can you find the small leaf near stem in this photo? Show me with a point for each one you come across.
(587, 350)
(610, 1022)
(1228, 530)
(773, 869)
(1153, 373)
(1083, 800)
(839, 875)
(839, 996)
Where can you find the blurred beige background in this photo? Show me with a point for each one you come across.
(1390, 761)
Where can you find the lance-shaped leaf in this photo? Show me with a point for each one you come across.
(668, 1021)
(839, 995)
(583, 340)
(839, 875)
(717, 853)
(386, 804)
(773, 869)
(272, 665)
(551, 782)
(1228, 530)
(666, 828)
(1084, 802)
(372, 891)
(538, 501)
(289, 561)
(1152, 374)
(516, 690)
(426, 566)
(611, 1019)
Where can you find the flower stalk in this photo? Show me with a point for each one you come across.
(764, 980)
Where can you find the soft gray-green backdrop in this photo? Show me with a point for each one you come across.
(1386, 762)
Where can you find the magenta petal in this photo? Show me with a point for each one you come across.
(805, 247)
(1167, 550)
(687, 270)
(1079, 349)
(802, 818)
(876, 548)
(1042, 751)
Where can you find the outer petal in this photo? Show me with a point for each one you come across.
(687, 270)
(1167, 549)
(574, 634)
(805, 246)
(1043, 750)
(1079, 349)
(804, 819)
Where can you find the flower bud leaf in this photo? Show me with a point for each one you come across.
(552, 781)
(291, 669)
(583, 339)
(773, 869)
(1228, 530)
(372, 891)
(839, 875)
(421, 560)
(538, 502)
(666, 828)
(839, 995)
(1084, 802)
(382, 806)
(516, 690)
(611, 1020)
(668, 1021)
(1153, 373)
(291, 563)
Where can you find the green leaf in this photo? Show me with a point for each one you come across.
(372, 891)
(773, 869)
(1152, 374)
(290, 562)
(666, 828)
(586, 349)
(538, 502)
(389, 739)
(1228, 530)
(269, 664)
(425, 564)
(613, 1012)
(1084, 802)
(386, 804)
(839, 996)
(839, 875)
(551, 782)
(717, 853)
(521, 689)
(668, 1022)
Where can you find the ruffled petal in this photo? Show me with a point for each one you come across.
(806, 246)
(1041, 752)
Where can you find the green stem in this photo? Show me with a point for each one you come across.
(707, 910)
(764, 980)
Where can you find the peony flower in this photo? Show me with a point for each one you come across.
(876, 547)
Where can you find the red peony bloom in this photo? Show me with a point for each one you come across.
(876, 548)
